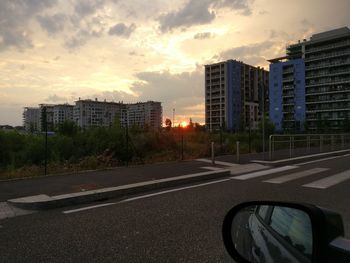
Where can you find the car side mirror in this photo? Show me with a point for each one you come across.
(265, 231)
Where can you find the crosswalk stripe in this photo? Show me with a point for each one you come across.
(294, 176)
(265, 172)
(217, 162)
(330, 181)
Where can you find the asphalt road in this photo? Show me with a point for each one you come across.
(182, 225)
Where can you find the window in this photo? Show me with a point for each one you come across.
(294, 226)
(263, 211)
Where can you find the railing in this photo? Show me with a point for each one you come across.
(291, 145)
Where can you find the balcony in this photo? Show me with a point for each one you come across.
(332, 55)
(337, 81)
(329, 64)
(327, 47)
(322, 75)
(288, 80)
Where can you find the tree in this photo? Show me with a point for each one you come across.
(68, 128)
(168, 124)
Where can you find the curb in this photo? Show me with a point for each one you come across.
(302, 157)
(43, 202)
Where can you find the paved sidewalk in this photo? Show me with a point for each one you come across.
(91, 180)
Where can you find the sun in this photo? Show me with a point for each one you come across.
(184, 124)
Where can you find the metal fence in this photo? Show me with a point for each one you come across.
(291, 145)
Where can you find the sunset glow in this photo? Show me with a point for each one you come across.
(184, 124)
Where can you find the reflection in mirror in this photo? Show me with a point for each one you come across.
(272, 234)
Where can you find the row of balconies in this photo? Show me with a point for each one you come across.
(329, 81)
(328, 73)
(327, 64)
(330, 55)
(327, 47)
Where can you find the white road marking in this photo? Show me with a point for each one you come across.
(330, 181)
(87, 208)
(173, 190)
(144, 196)
(217, 162)
(294, 176)
(300, 157)
(321, 160)
(265, 172)
(212, 168)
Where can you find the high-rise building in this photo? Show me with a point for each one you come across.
(145, 114)
(89, 113)
(310, 86)
(31, 119)
(62, 113)
(236, 95)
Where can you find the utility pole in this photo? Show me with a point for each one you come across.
(263, 120)
(173, 118)
(44, 126)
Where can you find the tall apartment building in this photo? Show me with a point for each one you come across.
(62, 113)
(31, 119)
(311, 84)
(145, 114)
(89, 113)
(49, 117)
(236, 95)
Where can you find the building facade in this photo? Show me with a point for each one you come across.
(326, 80)
(90, 113)
(287, 95)
(31, 119)
(144, 114)
(236, 95)
(62, 113)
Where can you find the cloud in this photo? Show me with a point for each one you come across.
(196, 12)
(177, 91)
(122, 30)
(56, 99)
(203, 35)
(241, 6)
(84, 8)
(15, 17)
(52, 24)
(251, 54)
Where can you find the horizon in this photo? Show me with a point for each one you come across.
(55, 51)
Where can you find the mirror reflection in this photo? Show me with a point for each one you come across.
(272, 234)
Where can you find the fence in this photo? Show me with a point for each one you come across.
(290, 145)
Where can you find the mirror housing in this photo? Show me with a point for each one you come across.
(327, 226)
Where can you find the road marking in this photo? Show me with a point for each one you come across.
(294, 176)
(300, 157)
(173, 190)
(329, 181)
(212, 168)
(217, 162)
(321, 160)
(87, 208)
(265, 172)
(143, 196)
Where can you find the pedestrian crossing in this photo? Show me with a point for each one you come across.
(324, 183)
(245, 172)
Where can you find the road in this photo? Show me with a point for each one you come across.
(172, 225)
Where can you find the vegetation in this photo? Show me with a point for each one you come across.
(71, 149)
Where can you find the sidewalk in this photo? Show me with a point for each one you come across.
(92, 180)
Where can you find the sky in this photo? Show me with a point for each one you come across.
(57, 51)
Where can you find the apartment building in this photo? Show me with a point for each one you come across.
(31, 119)
(145, 114)
(236, 95)
(62, 113)
(311, 84)
(90, 113)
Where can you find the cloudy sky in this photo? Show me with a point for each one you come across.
(55, 51)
